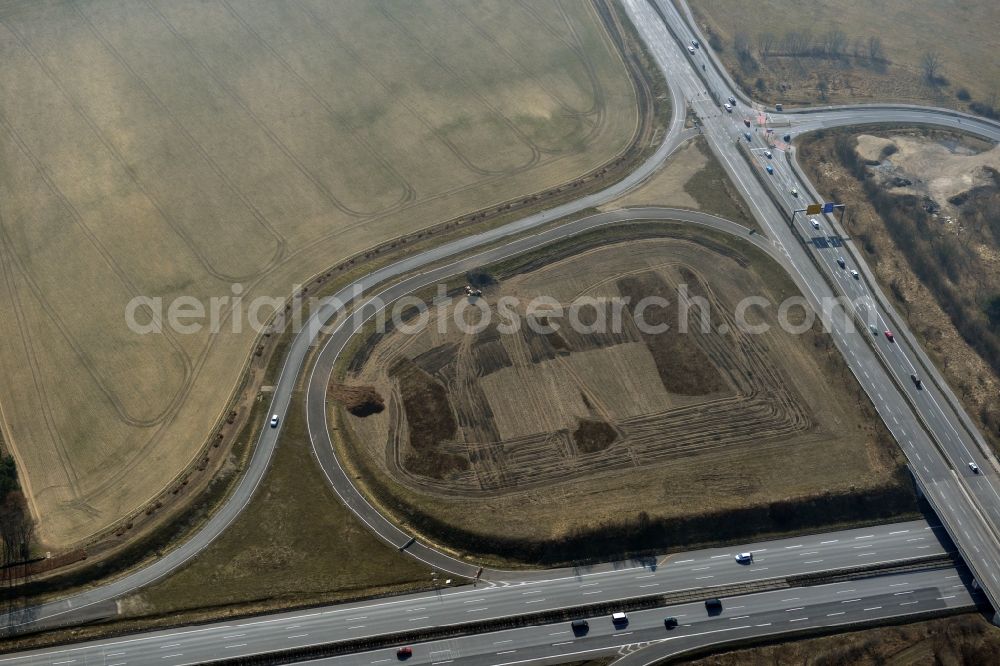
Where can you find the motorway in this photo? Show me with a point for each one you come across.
(697, 572)
(936, 437)
(645, 640)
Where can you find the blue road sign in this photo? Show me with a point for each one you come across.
(828, 207)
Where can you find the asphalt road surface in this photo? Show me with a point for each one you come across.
(698, 571)
(936, 436)
(645, 640)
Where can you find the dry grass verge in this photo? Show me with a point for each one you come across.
(962, 639)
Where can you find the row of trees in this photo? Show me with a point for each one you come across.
(17, 529)
(833, 44)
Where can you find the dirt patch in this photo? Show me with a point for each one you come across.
(943, 170)
(430, 422)
(683, 366)
(592, 436)
(360, 401)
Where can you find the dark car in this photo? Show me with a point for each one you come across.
(787, 138)
(580, 627)
(746, 121)
(732, 100)
(916, 381)
(713, 606)
(404, 653)
(670, 622)
(747, 135)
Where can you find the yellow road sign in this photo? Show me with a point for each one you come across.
(814, 209)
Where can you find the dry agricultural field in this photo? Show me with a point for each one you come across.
(168, 148)
(539, 435)
(962, 34)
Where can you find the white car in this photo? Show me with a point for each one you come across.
(974, 467)
(767, 154)
(274, 420)
(855, 275)
(795, 192)
(619, 618)
(744, 558)
(814, 222)
(728, 106)
(691, 50)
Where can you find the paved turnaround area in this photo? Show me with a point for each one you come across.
(936, 436)
(696, 572)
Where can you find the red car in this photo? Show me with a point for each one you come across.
(888, 336)
(404, 653)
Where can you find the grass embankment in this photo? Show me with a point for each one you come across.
(837, 52)
(941, 276)
(295, 543)
(963, 639)
(691, 178)
(599, 534)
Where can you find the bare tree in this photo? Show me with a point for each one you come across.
(796, 42)
(993, 98)
(857, 47)
(800, 42)
(833, 43)
(741, 43)
(823, 87)
(930, 63)
(876, 52)
(765, 42)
